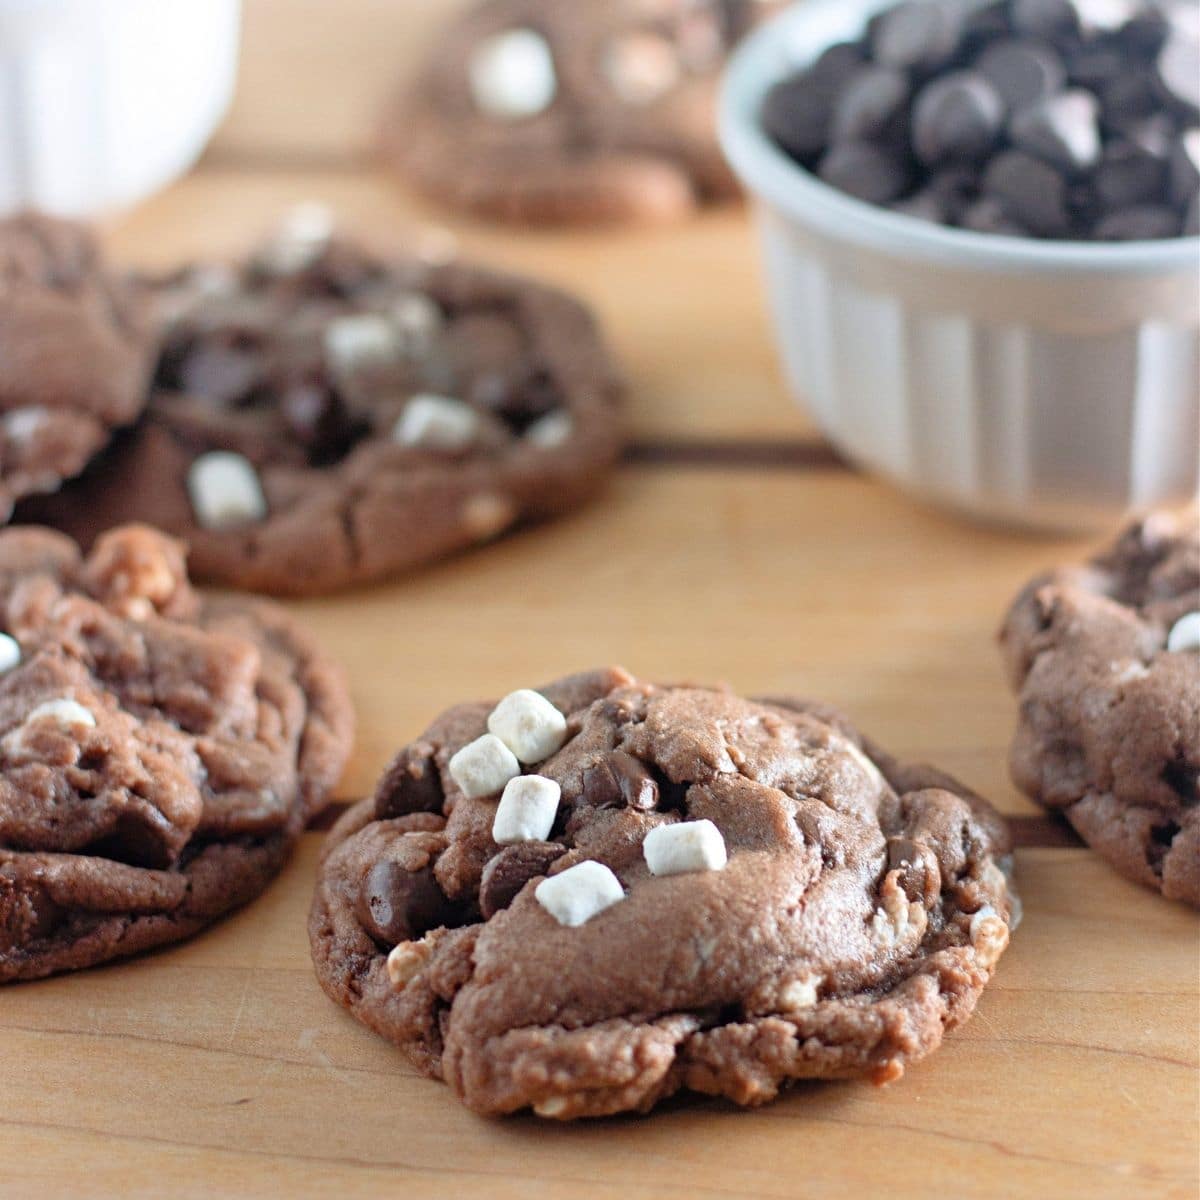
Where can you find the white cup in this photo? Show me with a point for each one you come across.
(1038, 383)
(104, 101)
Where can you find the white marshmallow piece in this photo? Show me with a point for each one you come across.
(529, 725)
(551, 431)
(436, 423)
(225, 491)
(580, 892)
(301, 240)
(360, 342)
(22, 425)
(526, 811)
(67, 714)
(1185, 634)
(10, 653)
(418, 321)
(483, 767)
(512, 75)
(685, 846)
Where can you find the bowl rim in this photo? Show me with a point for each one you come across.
(768, 172)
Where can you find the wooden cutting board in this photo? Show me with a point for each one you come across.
(732, 545)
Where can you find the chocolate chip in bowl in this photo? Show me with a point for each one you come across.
(979, 227)
(933, 85)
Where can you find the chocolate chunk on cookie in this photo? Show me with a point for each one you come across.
(75, 355)
(1105, 660)
(542, 112)
(325, 417)
(159, 751)
(705, 893)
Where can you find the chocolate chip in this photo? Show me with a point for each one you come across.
(988, 215)
(222, 373)
(314, 414)
(836, 64)
(619, 780)
(1031, 192)
(509, 871)
(957, 116)
(1044, 18)
(396, 905)
(412, 784)
(924, 34)
(1127, 175)
(870, 105)
(797, 113)
(1064, 130)
(1148, 222)
(1022, 71)
(1185, 169)
(865, 171)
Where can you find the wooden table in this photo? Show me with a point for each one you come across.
(732, 545)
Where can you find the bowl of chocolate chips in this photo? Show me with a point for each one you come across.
(980, 228)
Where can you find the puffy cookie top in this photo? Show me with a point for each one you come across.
(746, 862)
(135, 716)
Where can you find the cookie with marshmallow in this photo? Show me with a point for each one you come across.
(540, 112)
(160, 751)
(1105, 660)
(325, 415)
(585, 895)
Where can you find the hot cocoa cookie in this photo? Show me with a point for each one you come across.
(327, 417)
(1105, 659)
(586, 898)
(159, 751)
(75, 353)
(541, 111)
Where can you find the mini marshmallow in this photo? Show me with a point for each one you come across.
(512, 75)
(1185, 634)
(483, 767)
(526, 811)
(642, 67)
(10, 653)
(68, 714)
(23, 424)
(986, 913)
(576, 895)
(418, 321)
(685, 846)
(301, 240)
(225, 491)
(529, 725)
(550, 431)
(436, 423)
(360, 342)
(406, 961)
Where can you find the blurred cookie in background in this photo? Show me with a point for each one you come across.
(562, 111)
(75, 354)
(324, 416)
(1105, 659)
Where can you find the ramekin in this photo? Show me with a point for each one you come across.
(1051, 384)
(104, 101)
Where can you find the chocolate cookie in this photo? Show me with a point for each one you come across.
(546, 111)
(325, 417)
(75, 352)
(584, 899)
(159, 751)
(1105, 659)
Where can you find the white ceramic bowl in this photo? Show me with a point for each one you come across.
(1039, 383)
(104, 101)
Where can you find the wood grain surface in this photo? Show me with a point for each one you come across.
(732, 545)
